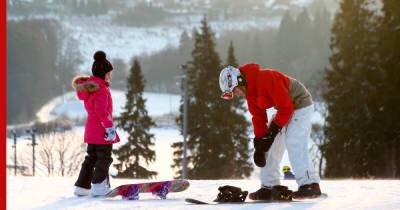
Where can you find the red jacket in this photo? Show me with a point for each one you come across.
(98, 103)
(267, 88)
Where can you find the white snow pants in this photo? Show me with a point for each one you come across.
(295, 137)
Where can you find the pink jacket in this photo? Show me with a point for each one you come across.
(98, 104)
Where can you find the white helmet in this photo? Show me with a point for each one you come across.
(229, 78)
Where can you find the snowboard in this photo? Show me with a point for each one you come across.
(202, 202)
(160, 189)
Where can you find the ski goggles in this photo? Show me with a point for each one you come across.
(227, 95)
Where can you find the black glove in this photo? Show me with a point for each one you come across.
(262, 145)
(274, 129)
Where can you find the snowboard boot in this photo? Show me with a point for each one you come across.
(307, 191)
(228, 194)
(100, 189)
(277, 192)
(80, 191)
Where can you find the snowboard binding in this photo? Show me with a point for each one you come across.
(275, 193)
(229, 193)
(132, 193)
(162, 191)
(281, 193)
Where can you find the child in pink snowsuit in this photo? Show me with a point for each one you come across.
(100, 132)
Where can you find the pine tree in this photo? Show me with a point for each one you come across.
(136, 122)
(102, 7)
(348, 127)
(313, 73)
(185, 46)
(304, 54)
(239, 125)
(32, 58)
(387, 95)
(212, 122)
(119, 76)
(286, 42)
(303, 32)
(231, 60)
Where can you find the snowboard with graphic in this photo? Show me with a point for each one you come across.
(160, 189)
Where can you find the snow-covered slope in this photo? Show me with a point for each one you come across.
(124, 42)
(56, 193)
(286, 4)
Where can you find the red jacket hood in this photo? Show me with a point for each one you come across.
(250, 71)
(267, 88)
(85, 85)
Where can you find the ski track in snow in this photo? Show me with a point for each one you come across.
(56, 193)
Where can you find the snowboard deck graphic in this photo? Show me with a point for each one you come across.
(161, 189)
(202, 202)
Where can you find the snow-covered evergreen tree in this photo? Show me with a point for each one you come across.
(136, 122)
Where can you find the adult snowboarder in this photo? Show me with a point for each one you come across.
(100, 133)
(291, 126)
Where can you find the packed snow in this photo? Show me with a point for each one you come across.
(57, 193)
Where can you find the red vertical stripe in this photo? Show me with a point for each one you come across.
(3, 104)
